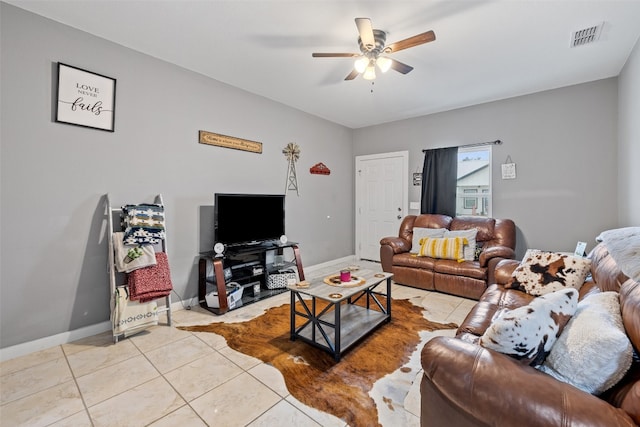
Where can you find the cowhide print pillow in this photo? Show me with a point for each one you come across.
(542, 272)
(527, 333)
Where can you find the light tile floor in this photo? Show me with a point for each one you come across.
(168, 377)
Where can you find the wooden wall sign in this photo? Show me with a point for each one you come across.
(210, 138)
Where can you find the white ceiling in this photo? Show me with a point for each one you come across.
(484, 50)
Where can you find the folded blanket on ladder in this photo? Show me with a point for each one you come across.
(130, 317)
(124, 264)
(146, 284)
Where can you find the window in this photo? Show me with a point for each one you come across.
(470, 202)
(473, 195)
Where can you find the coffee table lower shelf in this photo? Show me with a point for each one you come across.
(335, 326)
(355, 323)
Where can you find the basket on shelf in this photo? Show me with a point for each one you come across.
(281, 279)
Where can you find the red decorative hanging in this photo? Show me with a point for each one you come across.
(320, 169)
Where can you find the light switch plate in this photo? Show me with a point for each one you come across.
(414, 206)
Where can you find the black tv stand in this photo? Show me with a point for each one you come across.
(252, 247)
(247, 265)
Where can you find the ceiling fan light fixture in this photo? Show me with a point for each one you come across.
(374, 51)
(361, 64)
(370, 72)
(383, 63)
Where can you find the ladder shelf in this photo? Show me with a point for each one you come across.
(111, 267)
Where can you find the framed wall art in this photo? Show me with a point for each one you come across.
(85, 98)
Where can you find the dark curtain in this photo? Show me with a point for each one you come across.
(439, 181)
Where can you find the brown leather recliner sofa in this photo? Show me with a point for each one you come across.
(465, 384)
(469, 279)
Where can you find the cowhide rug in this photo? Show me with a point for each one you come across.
(313, 377)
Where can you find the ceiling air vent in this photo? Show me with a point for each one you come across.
(586, 35)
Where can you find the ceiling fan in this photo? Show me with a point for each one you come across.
(373, 51)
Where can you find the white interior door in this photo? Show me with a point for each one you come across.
(382, 188)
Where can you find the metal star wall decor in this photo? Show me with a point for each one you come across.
(292, 153)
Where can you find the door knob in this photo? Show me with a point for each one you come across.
(399, 217)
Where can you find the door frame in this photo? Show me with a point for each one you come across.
(404, 155)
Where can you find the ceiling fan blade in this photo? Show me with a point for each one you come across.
(366, 32)
(334, 55)
(427, 37)
(400, 67)
(352, 75)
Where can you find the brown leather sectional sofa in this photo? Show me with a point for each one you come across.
(465, 384)
(469, 279)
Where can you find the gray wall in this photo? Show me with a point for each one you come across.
(574, 178)
(54, 176)
(564, 144)
(629, 145)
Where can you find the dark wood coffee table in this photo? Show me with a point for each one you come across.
(339, 323)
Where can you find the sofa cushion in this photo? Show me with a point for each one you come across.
(432, 221)
(443, 248)
(604, 270)
(470, 247)
(593, 352)
(527, 333)
(543, 272)
(420, 233)
(630, 308)
(485, 226)
(414, 261)
(465, 269)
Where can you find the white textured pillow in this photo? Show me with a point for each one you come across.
(527, 333)
(542, 272)
(624, 246)
(470, 247)
(420, 233)
(593, 352)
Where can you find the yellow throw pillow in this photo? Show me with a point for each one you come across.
(444, 248)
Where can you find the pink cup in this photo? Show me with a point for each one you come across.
(345, 276)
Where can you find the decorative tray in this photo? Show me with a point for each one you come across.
(334, 280)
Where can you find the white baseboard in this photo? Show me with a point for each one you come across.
(87, 331)
(340, 261)
(77, 334)
(53, 340)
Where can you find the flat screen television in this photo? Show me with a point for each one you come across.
(243, 219)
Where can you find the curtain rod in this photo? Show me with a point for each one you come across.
(478, 144)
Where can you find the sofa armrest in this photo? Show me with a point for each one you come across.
(389, 246)
(491, 252)
(504, 270)
(398, 244)
(478, 386)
